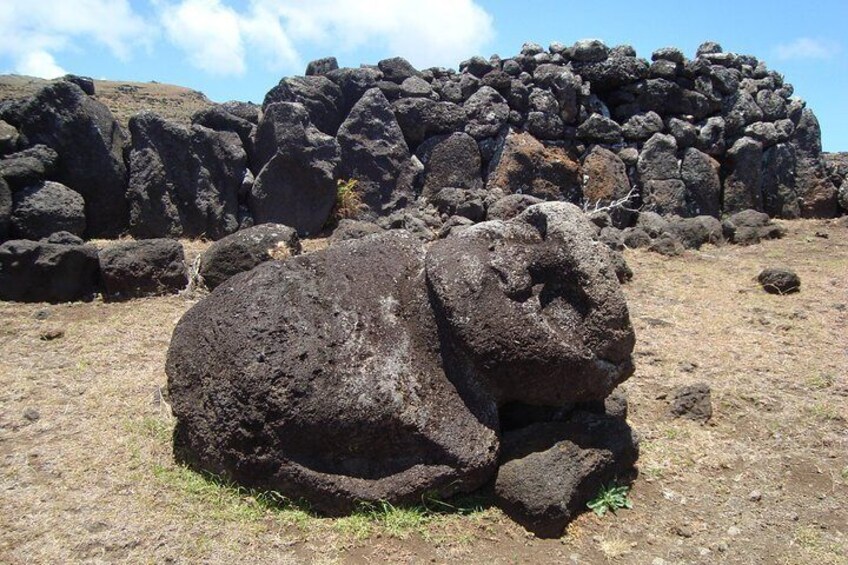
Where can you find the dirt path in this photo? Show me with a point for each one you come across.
(86, 472)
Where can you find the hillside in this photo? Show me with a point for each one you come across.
(123, 98)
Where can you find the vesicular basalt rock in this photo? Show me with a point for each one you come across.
(374, 369)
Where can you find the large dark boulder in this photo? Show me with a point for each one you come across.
(780, 195)
(551, 470)
(285, 127)
(321, 378)
(184, 182)
(511, 206)
(373, 152)
(701, 176)
(90, 144)
(322, 98)
(537, 312)
(321, 66)
(522, 164)
(5, 210)
(46, 208)
(658, 159)
(28, 167)
(816, 192)
(420, 118)
(32, 271)
(743, 176)
(354, 83)
(450, 160)
(749, 227)
(133, 269)
(374, 369)
(613, 72)
(219, 118)
(246, 249)
(294, 192)
(697, 231)
(487, 113)
(397, 69)
(599, 129)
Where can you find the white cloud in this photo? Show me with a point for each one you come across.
(39, 64)
(807, 48)
(218, 38)
(32, 32)
(209, 33)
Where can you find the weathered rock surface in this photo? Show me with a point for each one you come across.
(5, 210)
(779, 280)
(551, 471)
(354, 405)
(555, 340)
(135, 269)
(354, 229)
(693, 402)
(90, 144)
(246, 249)
(322, 98)
(28, 167)
(749, 227)
(374, 152)
(522, 164)
(184, 182)
(32, 271)
(46, 208)
(387, 383)
(450, 161)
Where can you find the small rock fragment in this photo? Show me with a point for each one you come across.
(692, 402)
(779, 281)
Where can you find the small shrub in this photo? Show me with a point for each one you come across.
(610, 498)
(348, 200)
(280, 251)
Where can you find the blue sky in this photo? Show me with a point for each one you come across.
(238, 49)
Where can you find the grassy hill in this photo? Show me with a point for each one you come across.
(123, 98)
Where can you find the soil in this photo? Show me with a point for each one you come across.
(87, 473)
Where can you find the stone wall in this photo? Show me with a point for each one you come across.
(712, 135)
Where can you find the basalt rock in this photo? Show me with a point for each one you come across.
(90, 145)
(184, 182)
(245, 250)
(142, 268)
(374, 370)
(522, 164)
(46, 208)
(355, 404)
(32, 271)
(373, 152)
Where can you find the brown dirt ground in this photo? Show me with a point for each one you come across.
(766, 481)
(123, 98)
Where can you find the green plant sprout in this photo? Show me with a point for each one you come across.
(610, 498)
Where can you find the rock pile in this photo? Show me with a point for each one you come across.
(586, 123)
(379, 369)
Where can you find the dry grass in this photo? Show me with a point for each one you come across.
(123, 98)
(92, 478)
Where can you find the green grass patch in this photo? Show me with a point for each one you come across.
(227, 501)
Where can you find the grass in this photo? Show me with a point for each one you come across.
(348, 200)
(228, 501)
